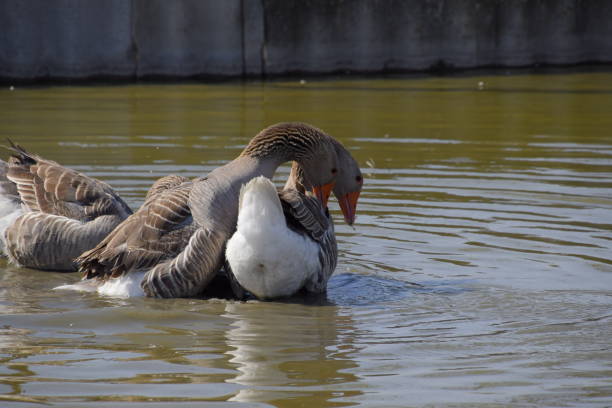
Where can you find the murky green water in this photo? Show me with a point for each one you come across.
(479, 271)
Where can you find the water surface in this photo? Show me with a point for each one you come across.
(479, 271)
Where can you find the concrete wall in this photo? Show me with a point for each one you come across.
(74, 39)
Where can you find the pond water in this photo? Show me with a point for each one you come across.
(478, 274)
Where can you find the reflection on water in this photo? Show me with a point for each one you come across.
(479, 271)
(283, 352)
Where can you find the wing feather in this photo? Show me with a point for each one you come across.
(191, 270)
(305, 214)
(165, 183)
(159, 230)
(46, 186)
(51, 242)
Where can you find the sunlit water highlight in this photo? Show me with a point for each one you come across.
(479, 271)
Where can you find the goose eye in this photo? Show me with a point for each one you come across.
(334, 170)
(359, 179)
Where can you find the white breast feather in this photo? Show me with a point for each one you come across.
(267, 258)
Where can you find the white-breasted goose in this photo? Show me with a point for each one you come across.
(285, 240)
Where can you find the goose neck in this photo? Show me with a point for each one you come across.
(286, 141)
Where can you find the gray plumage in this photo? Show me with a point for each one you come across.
(66, 212)
(181, 233)
(305, 215)
(159, 229)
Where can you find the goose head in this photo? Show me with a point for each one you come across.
(322, 171)
(313, 150)
(349, 182)
(346, 187)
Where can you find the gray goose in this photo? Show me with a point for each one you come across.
(178, 237)
(63, 212)
(285, 241)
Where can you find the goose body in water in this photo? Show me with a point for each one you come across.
(51, 213)
(178, 237)
(284, 240)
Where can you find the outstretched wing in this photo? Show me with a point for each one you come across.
(46, 186)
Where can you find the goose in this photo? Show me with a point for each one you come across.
(176, 240)
(52, 213)
(284, 240)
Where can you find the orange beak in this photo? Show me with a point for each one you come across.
(323, 192)
(348, 205)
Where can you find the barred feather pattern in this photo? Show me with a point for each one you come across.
(184, 255)
(196, 237)
(46, 186)
(328, 258)
(66, 212)
(51, 242)
(190, 272)
(159, 230)
(164, 184)
(307, 211)
(305, 215)
(192, 265)
(288, 141)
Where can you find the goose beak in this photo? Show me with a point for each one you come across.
(348, 205)
(323, 192)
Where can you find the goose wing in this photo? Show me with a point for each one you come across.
(159, 230)
(214, 218)
(164, 184)
(305, 215)
(188, 273)
(48, 187)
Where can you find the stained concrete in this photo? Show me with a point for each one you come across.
(132, 39)
(188, 37)
(65, 39)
